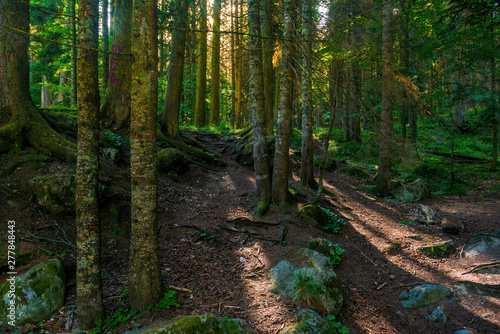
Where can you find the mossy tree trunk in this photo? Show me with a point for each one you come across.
(257, 108)
(307, 169)
(74, 67)
(238, 70)
(170, 121)
(115, 110)
(144, 272)
(267, 62)
(215, 66)
(283, 129)
(21, 123)
(88, 273)
(105, 44)
(386, 121)
(201, 75)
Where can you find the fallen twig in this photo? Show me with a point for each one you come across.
(46, 239)
(180, 289)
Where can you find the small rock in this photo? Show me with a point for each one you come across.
(314, 215)
(311, 323)
(401, 314)
(320, 245)
(463, 331)
(413, 192)
(422, 295)
(438, 315)
(438, 248)
(12, 204)
(414, 237)
(55, 193)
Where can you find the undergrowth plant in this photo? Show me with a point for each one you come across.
(334, 223)
(306, 290)
(337, 324)
(120, 316)
(168, 300)
(335, 254)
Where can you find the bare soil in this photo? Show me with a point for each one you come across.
(228, 272)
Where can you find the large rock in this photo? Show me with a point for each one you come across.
(311, 323)
(38, 293)
(171, 160)
(284, 278)
(438, 248)
(197, 324)
(422, 295)
(425, 215)
(413, 192)
(313, 214)
(56, 193)
(485, 246)
(320, 245)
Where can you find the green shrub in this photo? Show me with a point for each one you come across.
(306, 289)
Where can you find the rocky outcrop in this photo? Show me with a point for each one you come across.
(38, 293)
(56, 193)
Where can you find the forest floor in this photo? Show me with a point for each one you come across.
(228, 273)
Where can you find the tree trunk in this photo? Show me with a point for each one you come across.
(62, 83)
(238, 71)
(307, 168)
(161, 45)
(144, 274)
(493, 89)
(170, 121)
(22, 123)
(105, 45)
(267, 62)
(277, 90)
(115, 110)
(233, 72)
(46, 99)
(201, 75)
(257, 108)
(74, 66)
(283, 129)
(386, 122)
(215, 67)
(88, 273)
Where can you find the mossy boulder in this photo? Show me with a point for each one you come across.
(311, 323)
(171, 160)
(437, 248)
(56, 193)
(422, 295)
(313, 214)
(356, 172)
(438, 315)
(284, 278)
(413, 192)
(319, 245)
(38, 294)
(197, 324)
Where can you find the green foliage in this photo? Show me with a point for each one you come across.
(124, 293)
(404, 222)
(119, 317)
(112, 138)
(205, 237)
(334, 223)
(51, 253)
(341, 329)
(168, 300)
(306, 289)
(335, 254)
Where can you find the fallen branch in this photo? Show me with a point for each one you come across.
(245, 220)
(482, 266)
(171, 287)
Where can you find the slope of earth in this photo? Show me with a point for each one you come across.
(225, 261)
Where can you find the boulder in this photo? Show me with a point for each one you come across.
(313, 214)
(425, 215)
(485, 246)
(171, 160)
(438, 248)
(422, 295)
(320, 245)
(438, 315)
(38, 293)
(197, 324)
(468, 287)
(56, 193)
(311, 323)
(284, 278)
(413, 192)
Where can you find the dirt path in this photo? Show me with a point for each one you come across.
(228, 271)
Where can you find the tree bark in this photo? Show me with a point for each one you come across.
(74, 66)
(201, 75)
(257, 108)
(22, 123)
(88, 274)
(115, 110)
(215, 66)
(267, 62)
(170, 121)
(307, 168)
(144, 273)
(238, 71)
(386, 122)
(105, 44)
(283, 129)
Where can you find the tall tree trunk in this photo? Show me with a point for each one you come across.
(88, 274)
(386, 122)
(215, 66)
(283, 129)
(74, 66)
(267, 62)
(201, 75)
(238, 70)
(307, 168)
(161, 45)
(115, 110)
(46, 99)
(493, 89)
(260, 135)
(144, 274)
(277, 81)
(21, 122)
(233, 72)
(170, 121)
(405, 62)
(105, 45)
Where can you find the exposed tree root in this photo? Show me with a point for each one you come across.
(263, 207)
